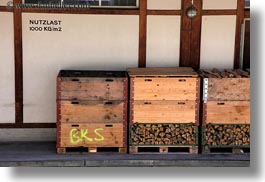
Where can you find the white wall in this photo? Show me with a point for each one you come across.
(219, 4)
(164, 4)
(7, 69)
(163, 41)
(92, 42)
(218, 41)
(4, 2)
(28, 134)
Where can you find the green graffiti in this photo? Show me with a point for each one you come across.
(77, 136)
(101, 137)
(74, 138)
(83, 136)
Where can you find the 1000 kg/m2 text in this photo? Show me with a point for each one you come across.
(45, 29)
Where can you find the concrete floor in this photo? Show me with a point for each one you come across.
(44, 154)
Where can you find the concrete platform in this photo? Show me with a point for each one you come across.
(44, 154)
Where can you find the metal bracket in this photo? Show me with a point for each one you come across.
(205, 90)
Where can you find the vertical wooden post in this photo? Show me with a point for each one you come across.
(239, 22)
(190, 41)
(142, 33)
(18, 62)
(196, 36)
(185, 35)
(246, 57)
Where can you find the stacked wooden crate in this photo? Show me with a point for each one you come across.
(164, 110)
(92, 111)
(226, 111)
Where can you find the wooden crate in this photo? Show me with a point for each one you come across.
(226, 112)
(225, 138)
(228, 85)
(91, 135)
(164, 112)
(92, 85)
(92, 111)
(164, 84)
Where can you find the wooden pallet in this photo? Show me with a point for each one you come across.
(163, 149)
(225, 149)
(91, 150)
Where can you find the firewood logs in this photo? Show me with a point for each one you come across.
(227, 135)
(163, 134)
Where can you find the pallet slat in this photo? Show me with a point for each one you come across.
(91, 150)
(163, 149)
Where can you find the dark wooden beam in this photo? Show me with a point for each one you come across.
(142, 33)
(185, 36)
(18, 62)
(219, 12)
(190, 42)
(83, 11)
(164, 12)
(247, 13)
(6, 9)
(239, 22)
(246, 57)
(29, 125)
(196, 36)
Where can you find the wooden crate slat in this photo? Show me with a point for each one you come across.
(92, 111)
(165, 88)
(91, 73)
(92, 135)
(93, 89)
(162, 72)
(226, 112)
(164, 111)
(233, 89)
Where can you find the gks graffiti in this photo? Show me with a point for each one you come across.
(77, 136)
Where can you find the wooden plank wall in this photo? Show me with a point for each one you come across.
(189, 45)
